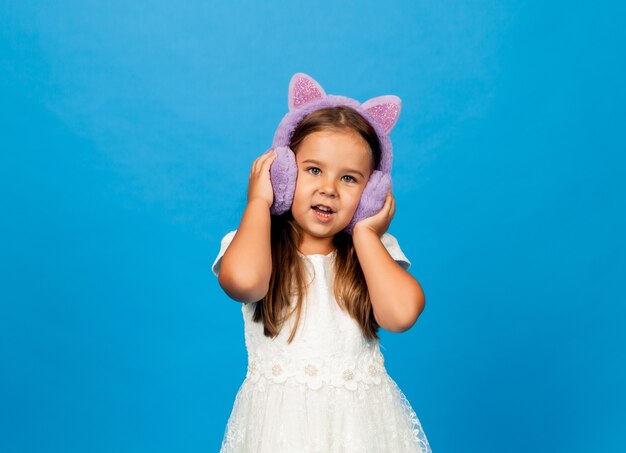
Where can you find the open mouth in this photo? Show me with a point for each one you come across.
(322, 212)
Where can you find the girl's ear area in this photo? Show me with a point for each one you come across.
(303, 89)
(385, 110)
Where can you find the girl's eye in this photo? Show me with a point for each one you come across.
(314, 171)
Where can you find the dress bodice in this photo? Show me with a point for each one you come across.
(328, 347)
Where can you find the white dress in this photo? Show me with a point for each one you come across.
(328, 391)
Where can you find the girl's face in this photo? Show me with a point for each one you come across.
(333, 169)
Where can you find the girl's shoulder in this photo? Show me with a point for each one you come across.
(226, 240)
(393, 247)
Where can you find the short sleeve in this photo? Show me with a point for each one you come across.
(226, 240)
(392, 246)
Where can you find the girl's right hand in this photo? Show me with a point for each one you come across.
(260, 184)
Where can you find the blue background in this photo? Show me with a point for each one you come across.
(127, 134)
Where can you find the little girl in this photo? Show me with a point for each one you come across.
(318, 274)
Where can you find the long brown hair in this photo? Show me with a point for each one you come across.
(288, 274)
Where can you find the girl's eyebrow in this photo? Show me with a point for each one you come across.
(345, 169)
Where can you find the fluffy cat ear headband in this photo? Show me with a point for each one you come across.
(306, 96)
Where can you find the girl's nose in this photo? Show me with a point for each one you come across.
(328, 188)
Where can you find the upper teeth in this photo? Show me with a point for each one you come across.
(324, 208)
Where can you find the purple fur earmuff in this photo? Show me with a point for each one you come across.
(306, 96)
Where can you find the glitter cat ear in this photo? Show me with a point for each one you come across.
(385, 110)
(302, 89)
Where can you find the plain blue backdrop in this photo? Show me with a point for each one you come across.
(127, 132)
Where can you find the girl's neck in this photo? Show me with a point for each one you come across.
(317, 246)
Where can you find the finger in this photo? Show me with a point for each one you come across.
(258, 162)
(255, 165)
(268, 155)
(269, 159)
(388, 200)
(261, 156)
(389, 205)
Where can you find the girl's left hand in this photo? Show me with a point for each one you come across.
(379, 222)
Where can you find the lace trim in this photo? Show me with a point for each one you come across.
(315, 372)
(419, 436)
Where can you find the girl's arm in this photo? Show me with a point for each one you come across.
(247, 262)
(397, 297)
